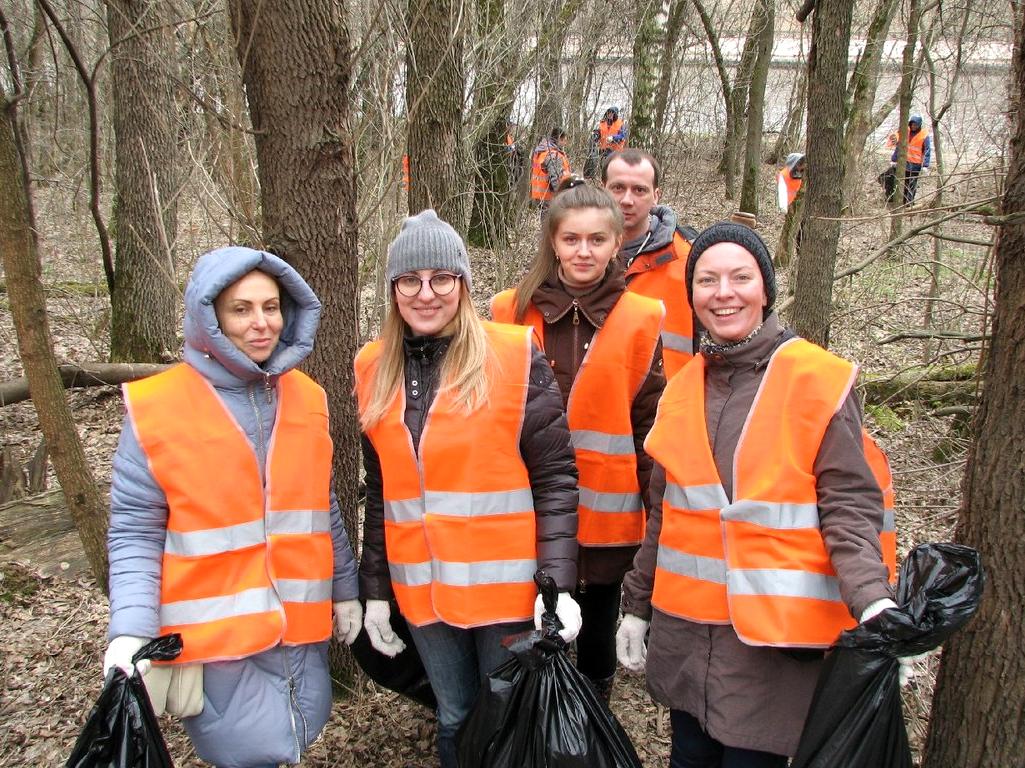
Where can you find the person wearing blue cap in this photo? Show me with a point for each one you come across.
(919, 156)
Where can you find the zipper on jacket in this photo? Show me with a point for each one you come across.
(261, 450)
(428, 388)
(267, 387)
(296, 708)
(576, 312)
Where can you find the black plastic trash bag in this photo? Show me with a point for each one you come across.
(537, 711)
(122, 731)
(855, 719)
(403, 674)
(888, 181)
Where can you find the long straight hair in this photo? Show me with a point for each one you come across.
(573, 194)
(467, 368)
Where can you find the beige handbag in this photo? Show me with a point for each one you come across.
(176, 689)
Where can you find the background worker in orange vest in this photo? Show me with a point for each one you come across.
(764, 539)
(789, 179)
(919, 156)
(549, 165)
(603, 345)
(611, 133)
(228, 536)
(655, 248)
(470, 475)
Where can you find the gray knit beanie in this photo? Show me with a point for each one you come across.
(427, 242)
(746, 238)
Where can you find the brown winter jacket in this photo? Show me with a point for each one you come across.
(566, 342)
(545, 447)
(747, 696)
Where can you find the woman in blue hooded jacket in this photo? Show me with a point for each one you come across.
(223, 525)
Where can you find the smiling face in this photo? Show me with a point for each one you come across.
(584, 243)
(427, 313)
(633, 187)
(729, 292)
(249, 313)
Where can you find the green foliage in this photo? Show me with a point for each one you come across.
(885, 418)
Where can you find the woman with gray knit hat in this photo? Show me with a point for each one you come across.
(766, 533)
(470, 475)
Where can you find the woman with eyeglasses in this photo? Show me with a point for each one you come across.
(602, 343)
(471, 484)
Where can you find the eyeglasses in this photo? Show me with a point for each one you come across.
(442, 284)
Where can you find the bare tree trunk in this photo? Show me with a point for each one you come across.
(434, 108)
(678, 10)
(582, 72)
(296, 65)
(725, 163)
(790, 134)
(19, 251)
(144, 300)
(756, 106)
(862, 93)
(735, 121)
(649, 40)
(827, 77)
(548, 105)
(907, 84)
(980, 691)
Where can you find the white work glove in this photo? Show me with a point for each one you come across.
(630, 648)
(377, 622)
(119, 654)
(906, 670)
(348, 620)
(567, 610)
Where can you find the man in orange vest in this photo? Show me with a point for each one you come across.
(549, 165)
(919, 155)
(655, 248)
(789, 180)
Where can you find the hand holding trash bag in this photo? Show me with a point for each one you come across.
(855, 719)
(906, 672)
(122, 731)
(537, 711)
(567, 610)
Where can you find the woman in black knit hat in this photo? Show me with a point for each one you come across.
(767, 525)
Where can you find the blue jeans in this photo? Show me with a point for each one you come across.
(456, 661)
(693, 748)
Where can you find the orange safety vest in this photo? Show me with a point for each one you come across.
(539, 188)
(617, 362)
(792, 184)
(459, 517)
(405, 172)
(248, 563)
(916, 149)
(605, 133)
(880, 467)
(662, 275)
(758, 562)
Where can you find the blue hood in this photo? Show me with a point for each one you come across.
(206, 345)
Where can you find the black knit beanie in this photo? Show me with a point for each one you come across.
(746, 238)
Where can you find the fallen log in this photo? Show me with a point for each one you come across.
(37, 531)
(84, 375)
(953, 385)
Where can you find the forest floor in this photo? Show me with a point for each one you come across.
(53, 628)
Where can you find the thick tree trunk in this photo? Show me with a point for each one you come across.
(827, 77)
(735, 121)
(907, 84)
(756, 106)
(295, 61)
(648, 42)
(980, 692)
(862, 92)
(789, 138)
(144, 300)
(19, 251)
(678, 10)
(548, 105)
(434, 108)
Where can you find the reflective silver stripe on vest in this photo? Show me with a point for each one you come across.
(889, 521)
(695, 566)
(486, 572)
(304, 590)
(778, 582)
(773, 514)
(298, 521)
(257, 600)
(600, 501)
(603, 442)
(696, 496)
(466, 504)
(677, 342)
(213, 541)
(411, 574)
(404, 511)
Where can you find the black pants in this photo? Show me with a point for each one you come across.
(596, 643)
(693, 748)
(911, 183)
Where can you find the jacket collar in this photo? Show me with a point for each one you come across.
(554, 299)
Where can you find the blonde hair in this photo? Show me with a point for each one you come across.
(573, 194)
(467, 368)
